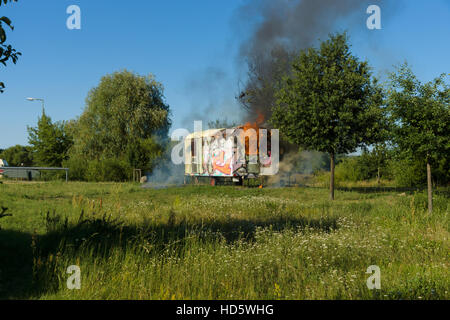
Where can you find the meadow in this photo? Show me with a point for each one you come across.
(224, 242)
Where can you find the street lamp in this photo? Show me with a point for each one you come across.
(37, 99)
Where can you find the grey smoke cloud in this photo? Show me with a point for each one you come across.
(296, 24)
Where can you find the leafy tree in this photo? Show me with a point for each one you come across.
(125, 118)
(18, 156)
(421, 115)
(330, 102)
(50, 142)
(407, 171)
(374, 162)
(7, 52)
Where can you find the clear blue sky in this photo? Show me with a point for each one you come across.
(177, 41)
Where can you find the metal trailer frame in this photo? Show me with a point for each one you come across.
(239, 168)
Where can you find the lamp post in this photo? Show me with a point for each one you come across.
(38, 99)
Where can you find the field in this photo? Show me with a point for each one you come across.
(201, 242)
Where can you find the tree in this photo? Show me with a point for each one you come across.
(421, 117)
(50, 142)
(18, 156)
(7, 52)
(125, 118)
(375, 161)
(330, 102)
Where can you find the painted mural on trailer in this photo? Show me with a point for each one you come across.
(220, 155)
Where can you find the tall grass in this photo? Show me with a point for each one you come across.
(221, 243)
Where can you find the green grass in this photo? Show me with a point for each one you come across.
(202, 242)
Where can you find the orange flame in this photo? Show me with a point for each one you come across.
(255, 125)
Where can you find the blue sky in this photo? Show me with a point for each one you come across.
(180, 42)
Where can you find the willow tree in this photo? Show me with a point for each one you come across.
(421, 116)
(125, 118)
(330, 102)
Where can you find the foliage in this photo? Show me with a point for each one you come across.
(50, 142)
(7, 52)
(407, 171)
(370, 164)
(108, 170)
(421, 114)
(349, 169)
(330, 103)
(18, 156)
(352, 169)
(77, 168)
(125, 118)
(421, 119)
(144, 153)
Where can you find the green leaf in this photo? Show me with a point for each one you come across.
(7, 21)
(2, 35)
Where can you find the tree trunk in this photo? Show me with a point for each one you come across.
(378, 176)
(430, 192)
(332, 176)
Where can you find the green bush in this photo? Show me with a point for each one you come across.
(350, 169)
(77, 168)
(408, 172)
(108, 170)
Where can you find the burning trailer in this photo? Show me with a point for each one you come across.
(239, 153)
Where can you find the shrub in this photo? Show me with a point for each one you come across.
(350, 169)
(108, 170)
(408, 172)
(77, 168)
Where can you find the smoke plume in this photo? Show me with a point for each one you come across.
(279, 29)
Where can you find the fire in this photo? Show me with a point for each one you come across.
(253, 125)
